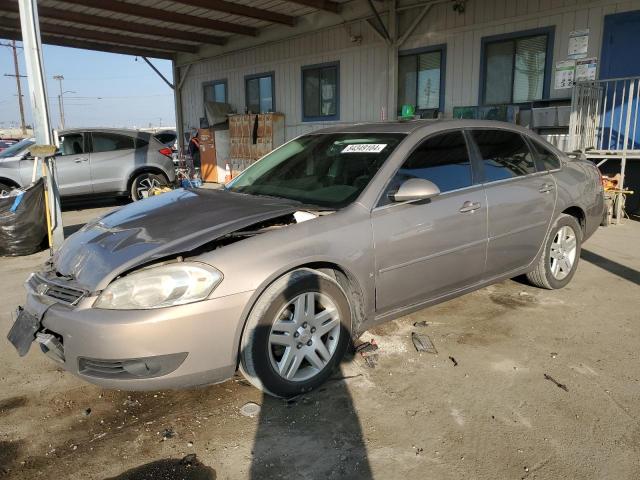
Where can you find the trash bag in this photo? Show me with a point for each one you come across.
(23, 225)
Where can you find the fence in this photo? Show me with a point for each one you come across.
(604, 116)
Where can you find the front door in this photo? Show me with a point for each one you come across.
(72, 165)
(425, 250)
(520, 199)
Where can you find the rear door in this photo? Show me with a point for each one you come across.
(427, 249)
(520, 199)
(113, 156)
(72, 165)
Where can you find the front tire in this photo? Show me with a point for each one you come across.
(559, 259)
(296, 334)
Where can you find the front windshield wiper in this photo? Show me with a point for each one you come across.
(254, 194)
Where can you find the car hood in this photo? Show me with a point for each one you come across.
(168, 224)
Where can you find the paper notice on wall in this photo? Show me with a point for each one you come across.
(578, 43)
(586, 69)
(565, 71)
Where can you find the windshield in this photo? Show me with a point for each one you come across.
(15, 149)
(327, 170)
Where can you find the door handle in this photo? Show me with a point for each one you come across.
(79, 160)
(469, 207)
(546, 188)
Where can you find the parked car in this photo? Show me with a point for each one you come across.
(169, 138)
(6, 143)
(330, 234)
(96, 162)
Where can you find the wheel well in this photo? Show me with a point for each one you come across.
(154, 170)
(9, 182)
(350, 285)
(578, 214)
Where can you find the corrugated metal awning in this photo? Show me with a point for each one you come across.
(156, 28)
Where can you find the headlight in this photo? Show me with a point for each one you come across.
(163, 286)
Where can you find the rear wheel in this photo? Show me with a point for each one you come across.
(296, 334)
(145, 182)
(559, 259)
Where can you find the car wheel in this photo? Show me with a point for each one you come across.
(296, 334)
(559, 259)
(145, 182)
(5, 187)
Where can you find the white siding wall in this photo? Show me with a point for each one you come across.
(363, 78)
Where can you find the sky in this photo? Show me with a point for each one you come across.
(110, 90)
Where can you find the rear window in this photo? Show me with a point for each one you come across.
(504, 154)
(547, 159)
(107, 142)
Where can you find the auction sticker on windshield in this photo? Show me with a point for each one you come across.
(364, 148)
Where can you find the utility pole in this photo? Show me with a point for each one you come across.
(60, 78)
(16, 74)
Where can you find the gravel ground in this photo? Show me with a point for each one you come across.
(480, 408)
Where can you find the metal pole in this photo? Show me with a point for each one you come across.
(23, 125)
(392, 62)
(60, 78)
(30, 28)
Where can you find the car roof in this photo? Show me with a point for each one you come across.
(411, 126)
(123, 131)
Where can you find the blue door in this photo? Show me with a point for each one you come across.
(620, 59)
(620, 52)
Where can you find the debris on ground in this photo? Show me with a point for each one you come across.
(371, 360)
(86, 412)
(367, 351)
(423, 343)
(367, 347)
(455, 362)
(250, 409)
(168, 433)
(189, 460)
(558, 384)
(422, 323)
(553, 354)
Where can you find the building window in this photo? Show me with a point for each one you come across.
(321, 92)
(259, 90)
(516, 67)
(215, 91)
(421, 79)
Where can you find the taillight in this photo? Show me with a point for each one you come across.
(166, 151)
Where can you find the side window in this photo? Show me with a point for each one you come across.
(108, 142)
(504, 154)
(442, 159)
(546, 157)
(71, 144)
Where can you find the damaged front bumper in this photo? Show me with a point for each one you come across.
(172, 347)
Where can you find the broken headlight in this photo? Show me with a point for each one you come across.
(163, 286)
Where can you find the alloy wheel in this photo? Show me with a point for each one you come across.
(145, 185)
(563, 252)
(304, 336)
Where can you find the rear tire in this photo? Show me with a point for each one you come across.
(296, 334)
(560, 255)
(144, 182)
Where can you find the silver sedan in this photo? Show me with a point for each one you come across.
(330, 234)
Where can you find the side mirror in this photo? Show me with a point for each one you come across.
(415, 189)
(27, 156)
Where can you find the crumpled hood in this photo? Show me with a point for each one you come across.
(171, 223)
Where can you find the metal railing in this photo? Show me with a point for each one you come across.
(605, 115)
